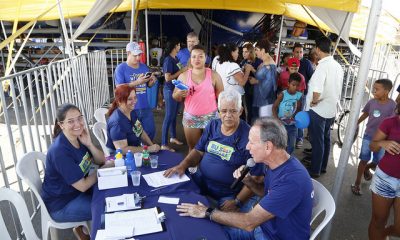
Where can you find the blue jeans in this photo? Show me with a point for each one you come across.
(171, 110)
(366, 153)
(300, 132)
(291, 138)
(76, 210)
(240, 234)
(147, 119)
(320, 130)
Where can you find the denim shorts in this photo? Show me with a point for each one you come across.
(365, 154)
(385, 185)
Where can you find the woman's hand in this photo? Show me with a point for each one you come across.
(181, 93)
(178, 169)
(249, 67)
(84, 138)
(253, 81)
(154, 148)
(392, 147)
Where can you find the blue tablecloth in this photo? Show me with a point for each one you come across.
(178, 228)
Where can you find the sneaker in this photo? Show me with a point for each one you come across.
(299, 144)
(80, 234)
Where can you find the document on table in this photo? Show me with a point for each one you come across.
(157, 179)
(143, 221)
(121, 203)
(168, 200)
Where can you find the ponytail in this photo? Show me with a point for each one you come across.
(60, 116)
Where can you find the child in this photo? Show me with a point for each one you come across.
(286, 106)
(293, 66)
(376, 110)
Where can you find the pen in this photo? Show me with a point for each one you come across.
(162, 164)
(155, 189)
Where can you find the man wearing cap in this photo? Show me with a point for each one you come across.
(184, 54)
(133, 72)
(307, 71)
(324, 89)
(293, 67)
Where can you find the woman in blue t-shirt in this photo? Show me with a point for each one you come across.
(124, 130)
(172, 70)
(67, 181)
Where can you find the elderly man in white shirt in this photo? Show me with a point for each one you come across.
(324, 91)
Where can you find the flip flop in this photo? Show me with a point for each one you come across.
(167, 148)
(356, 190)
(176, 141)
(367, 175)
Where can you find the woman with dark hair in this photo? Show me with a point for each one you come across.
(249, 58)
(68, 161)
(201, 98)
(172, 70)
(225, 65)
(265, 78)
(386, 180)
(124, 130)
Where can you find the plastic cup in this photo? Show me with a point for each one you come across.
(138, 159)
(135, 175)
(154, 161)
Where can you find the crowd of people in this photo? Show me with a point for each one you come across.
(225, 123)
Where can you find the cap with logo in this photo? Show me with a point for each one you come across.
(134, 48)
(293, 62)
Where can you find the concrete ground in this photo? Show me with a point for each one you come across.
(352, 212)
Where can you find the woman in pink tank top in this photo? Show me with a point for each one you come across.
(201, 98)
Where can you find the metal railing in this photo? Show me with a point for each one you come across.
(114, 57)
(28, 114)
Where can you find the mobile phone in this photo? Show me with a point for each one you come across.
(147, 75)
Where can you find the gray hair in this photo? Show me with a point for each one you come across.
(272, 130)
(230, 96)
(192, 35)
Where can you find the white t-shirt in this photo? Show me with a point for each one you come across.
(156, 53)
(328, 81)
(226, 70)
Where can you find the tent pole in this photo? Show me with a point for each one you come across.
(279, 42)
(133, 19)
(341, 31)
(64, 29)
(362, 78)
(147, 36)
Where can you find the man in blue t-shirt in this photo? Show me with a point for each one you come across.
(284, 212)
(219, 152)
(133, 72)
(184, 54)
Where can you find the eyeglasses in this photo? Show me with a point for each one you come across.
(231, 111)
(71, 121)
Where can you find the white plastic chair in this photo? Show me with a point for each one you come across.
(323, 201)
(27, 170)
(100, 115)
(100, 131)
(17, 200)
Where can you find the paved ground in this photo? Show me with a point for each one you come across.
(352, 212)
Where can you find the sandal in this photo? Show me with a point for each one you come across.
(367, 175)
(356, 190)
(176, 141)
(167, 148)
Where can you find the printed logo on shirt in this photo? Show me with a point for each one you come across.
(140, 89)
(86, 163)
(137, 128)
(223, 151)
(376, 113)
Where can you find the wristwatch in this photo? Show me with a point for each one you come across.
(208, 212)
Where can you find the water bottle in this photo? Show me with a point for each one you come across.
(129, 162)
(180, 85)
(146, 156)
(119, 160)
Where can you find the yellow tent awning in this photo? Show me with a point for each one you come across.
(26, 10)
